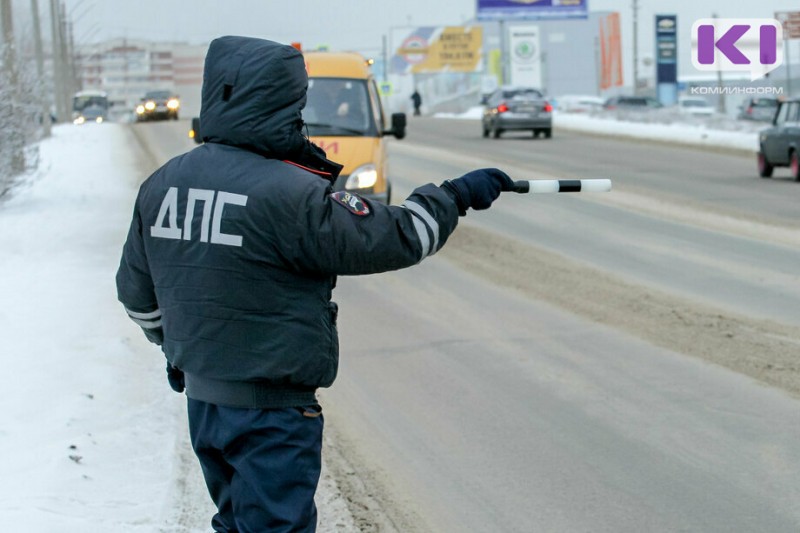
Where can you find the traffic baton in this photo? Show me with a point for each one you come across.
(548, 186)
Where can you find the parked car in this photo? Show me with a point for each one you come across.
(761, 109)
(576, 103)
(779, 145)
(158, 105)
(517, 108)
(694, 105)
(632, 102)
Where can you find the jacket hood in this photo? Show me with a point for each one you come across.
(253, 93)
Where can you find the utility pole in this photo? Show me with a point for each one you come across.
(720, 92)
(385, 54)
(66, 61)
(59, 88)
(635, 46)
(37, 37)
(504, 74)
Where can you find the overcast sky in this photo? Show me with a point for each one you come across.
(354, 24)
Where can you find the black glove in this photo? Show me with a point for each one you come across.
(478, 189)
(175, 378)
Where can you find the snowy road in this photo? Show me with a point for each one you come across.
(566, 363)
(623, 363)
(583, 363)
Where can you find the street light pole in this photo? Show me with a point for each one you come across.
(37, 37)
(720, 92)
(59, 88)
(635, 46)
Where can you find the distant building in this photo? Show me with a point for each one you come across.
(126, 69)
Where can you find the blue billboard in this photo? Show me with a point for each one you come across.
(531, 9)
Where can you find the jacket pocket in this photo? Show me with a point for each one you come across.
(333, 340)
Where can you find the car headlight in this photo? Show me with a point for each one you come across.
(173, 103)
(140, 109)
(79, 120)
(150, 105)
(362, 177)
(99, 120)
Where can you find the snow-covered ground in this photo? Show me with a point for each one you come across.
(710, 132)
(91, 437)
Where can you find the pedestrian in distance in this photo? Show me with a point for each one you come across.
(229, 266)
(416, 99)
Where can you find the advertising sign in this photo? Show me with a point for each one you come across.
(667, 59)
(437, 49)
(666, 49)
(610, 52)
(526, 55)
(531, 9)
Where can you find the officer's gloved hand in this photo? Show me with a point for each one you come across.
(175, 378)
(478, 189)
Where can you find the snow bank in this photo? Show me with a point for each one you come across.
(721, 134)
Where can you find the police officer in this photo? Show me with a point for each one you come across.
(229, 266)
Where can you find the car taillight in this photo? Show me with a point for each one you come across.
(502, 108)
(547, 108)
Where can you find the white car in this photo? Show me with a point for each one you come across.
(574, 103)
(695, 106)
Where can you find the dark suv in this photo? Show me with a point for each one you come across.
(158, 105)
(760, 109)
(780, 144)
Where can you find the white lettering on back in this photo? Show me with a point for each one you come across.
(168, 207)
(166, 226)
(207, 197)
(216, 233)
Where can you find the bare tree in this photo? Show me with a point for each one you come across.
(21, 95)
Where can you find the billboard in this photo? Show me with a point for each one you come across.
(437, 49)
(531, 9)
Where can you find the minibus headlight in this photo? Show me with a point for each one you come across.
(362, 178)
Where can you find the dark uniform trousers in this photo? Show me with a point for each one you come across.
(261, 466)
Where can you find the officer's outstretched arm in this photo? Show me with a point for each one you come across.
(350, 235)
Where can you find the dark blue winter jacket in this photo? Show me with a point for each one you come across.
(234, 247)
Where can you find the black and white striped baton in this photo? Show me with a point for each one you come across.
(548, 186)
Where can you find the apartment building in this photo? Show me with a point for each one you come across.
(127, 68)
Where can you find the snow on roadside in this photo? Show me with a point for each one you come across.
(677, 132)
(88, 425)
